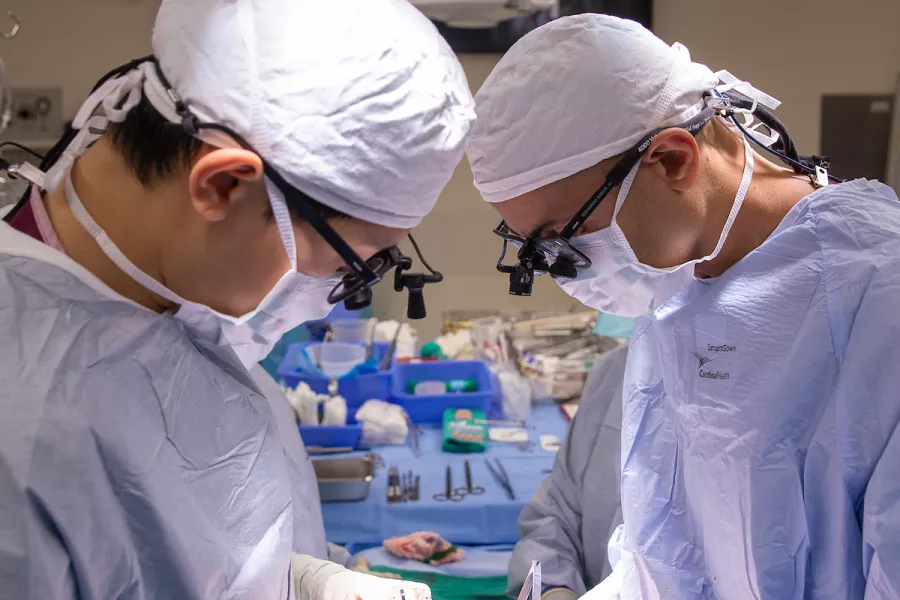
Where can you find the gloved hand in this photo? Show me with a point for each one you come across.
(351, 584)
(608, 589)
(362, 566)
(559, 594)
(620, 560)
(316, 579)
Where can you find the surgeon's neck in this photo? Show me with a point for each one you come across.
(773, 192)
(130, 214)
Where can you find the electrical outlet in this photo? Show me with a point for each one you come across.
(36, 115)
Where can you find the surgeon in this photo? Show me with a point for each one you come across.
(568, 521)
(760, 441)
(208, 199)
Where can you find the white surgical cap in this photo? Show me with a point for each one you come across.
(575, 92)
(358, 103)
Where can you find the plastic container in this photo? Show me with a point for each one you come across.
(430, 409)
(355, 390)
(435, 388)
(331, 436)
(336, 359)
(350, 330)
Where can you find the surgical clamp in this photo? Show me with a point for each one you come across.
(469, 488)
(449, 493)
(501, 476)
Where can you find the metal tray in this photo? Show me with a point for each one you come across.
(344, 479)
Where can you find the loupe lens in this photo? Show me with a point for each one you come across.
(521, 281)
(564, 268)
(353, 290)
(558, 249)
(359, 300)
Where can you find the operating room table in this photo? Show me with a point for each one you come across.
(489, 518)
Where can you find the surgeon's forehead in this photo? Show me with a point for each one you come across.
(533, 214)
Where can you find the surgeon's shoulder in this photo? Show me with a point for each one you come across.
(70, 356)
(857, 222)
(858, 226)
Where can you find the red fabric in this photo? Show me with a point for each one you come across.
(25, 222)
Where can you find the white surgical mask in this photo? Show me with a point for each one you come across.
(617, 282)
(295, 299)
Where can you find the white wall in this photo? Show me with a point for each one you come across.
(794, 49)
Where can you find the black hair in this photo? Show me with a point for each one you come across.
(155, 149)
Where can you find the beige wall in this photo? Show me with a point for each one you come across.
(72, 43)
(794, 49)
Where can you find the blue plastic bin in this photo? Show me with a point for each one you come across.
(331, 436)
(354, 389)
(430, 409)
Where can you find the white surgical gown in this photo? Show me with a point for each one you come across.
(760, 443)
(567, 523)
(136, 461)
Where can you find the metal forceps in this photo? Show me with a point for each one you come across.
(449, 495)
(469, 488)
(501, 476)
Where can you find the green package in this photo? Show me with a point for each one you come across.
(464, 430)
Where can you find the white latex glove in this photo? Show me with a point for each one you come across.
(608, 589)
(620, 558)
(362, 566)
(334, 410)
(359, 586)
(316, 579)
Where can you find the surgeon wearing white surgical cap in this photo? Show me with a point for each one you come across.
(760, 440)
(170, 247)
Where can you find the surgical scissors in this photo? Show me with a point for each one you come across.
(501, 476)
(469, 488)
(449, 495)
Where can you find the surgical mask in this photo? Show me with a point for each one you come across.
(617, 282)
(295, 299)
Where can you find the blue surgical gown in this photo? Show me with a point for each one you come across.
(568, 521)
(136, 460)
(760, 442)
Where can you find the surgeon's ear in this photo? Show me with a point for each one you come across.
(217, 175)
(675, 155)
